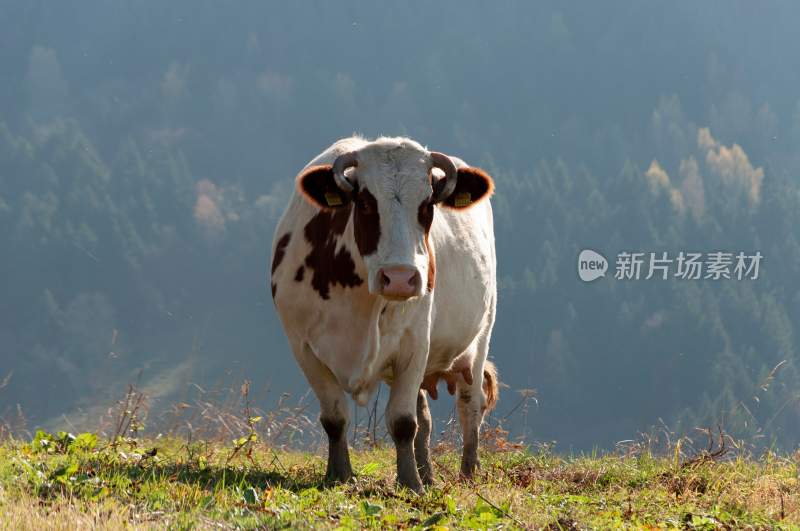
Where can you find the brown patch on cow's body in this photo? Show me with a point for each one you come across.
(298, 277)
(425, 215)
(425, 219)
(328, 266)
(431, 265)
(280, 251)
(366, 223)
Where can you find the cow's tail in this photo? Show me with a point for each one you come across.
(490, 384)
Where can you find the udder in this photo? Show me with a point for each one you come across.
(461, 368)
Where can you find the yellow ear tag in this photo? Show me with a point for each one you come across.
(463, 199)
(333, 199)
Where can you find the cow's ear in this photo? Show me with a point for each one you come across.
(319, 188)
(473, 186)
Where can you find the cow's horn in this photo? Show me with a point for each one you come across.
(445, 163)
(342, 162)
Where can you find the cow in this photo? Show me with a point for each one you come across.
(384, 269)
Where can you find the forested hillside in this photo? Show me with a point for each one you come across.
(147, 150)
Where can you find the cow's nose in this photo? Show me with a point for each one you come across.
(398, 282)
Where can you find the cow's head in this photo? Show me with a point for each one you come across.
(393, 189)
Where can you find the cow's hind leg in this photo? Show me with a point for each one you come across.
(334, 413)
(472, 404)
(423, 439)
(470, 416)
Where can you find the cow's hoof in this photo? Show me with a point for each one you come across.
(331, 481)
(339, 476)
(468, 471)
(413, 484)
(426, 474)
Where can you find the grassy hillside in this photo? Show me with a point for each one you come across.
(65, 482)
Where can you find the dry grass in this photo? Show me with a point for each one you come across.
(216, 462)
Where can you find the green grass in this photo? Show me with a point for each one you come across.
(57, 482)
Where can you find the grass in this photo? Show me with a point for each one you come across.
(64, 482)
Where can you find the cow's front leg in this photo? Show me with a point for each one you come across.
(423, 439)
(334, 413)
(401, 417)
(335, 426)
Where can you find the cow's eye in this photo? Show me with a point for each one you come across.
(425, 214)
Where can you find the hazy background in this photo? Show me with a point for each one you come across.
(147, 150)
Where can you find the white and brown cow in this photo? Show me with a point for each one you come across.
(383, 268)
